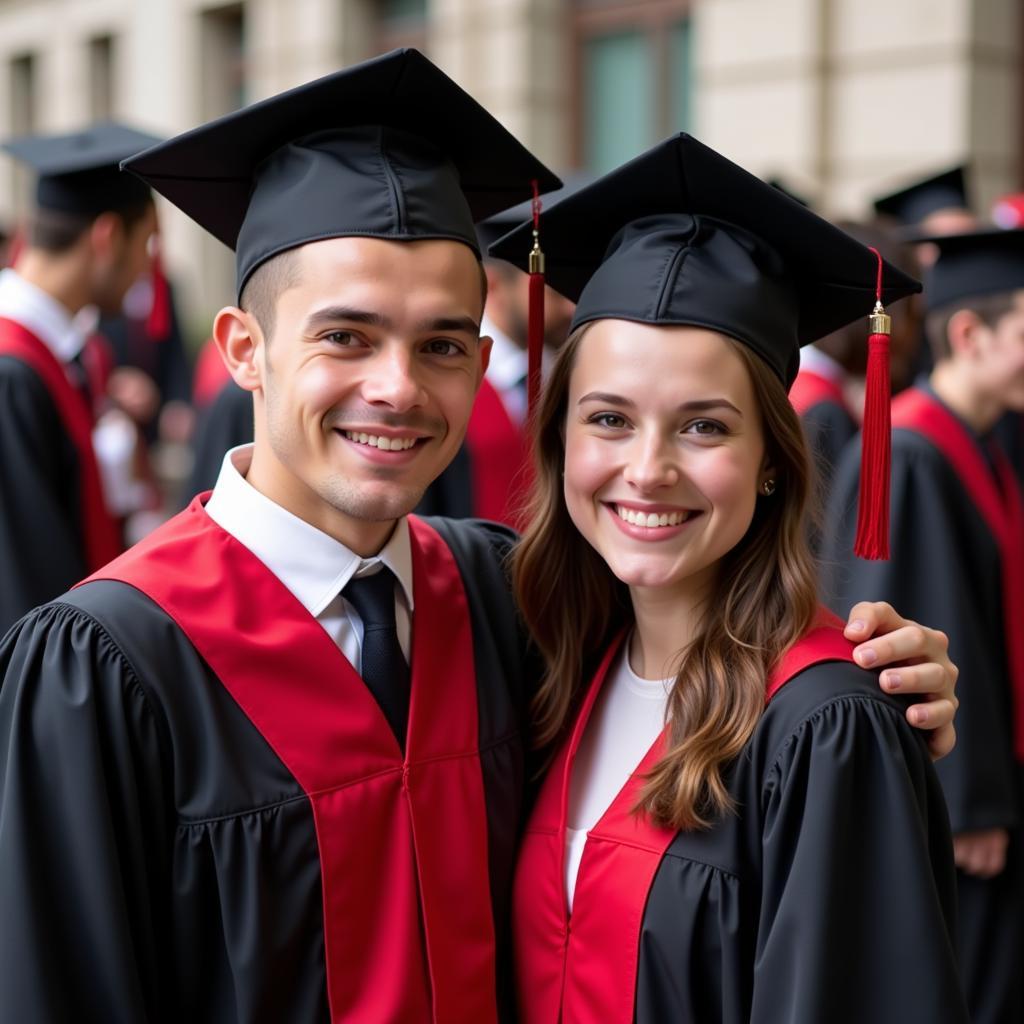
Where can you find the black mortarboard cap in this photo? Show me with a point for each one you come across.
(912, 203)
(391, 148)
(681, 235)
(80, 172)
(973, 265)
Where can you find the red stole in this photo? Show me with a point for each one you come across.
(100, 532)
(1000, 504)
(408, 925)
(582, 970)
(811, 389)
(499, 458)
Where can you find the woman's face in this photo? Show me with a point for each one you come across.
(664, 451)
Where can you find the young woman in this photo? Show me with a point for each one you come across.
(723, 831)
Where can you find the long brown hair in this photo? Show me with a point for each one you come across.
(764, 599)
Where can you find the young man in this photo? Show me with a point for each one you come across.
(958, 552)
(86, 244)
(268, 765)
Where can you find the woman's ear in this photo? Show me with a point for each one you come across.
(240, 343)
(767, 476)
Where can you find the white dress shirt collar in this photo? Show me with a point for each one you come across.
(63, 334)
(311, 564)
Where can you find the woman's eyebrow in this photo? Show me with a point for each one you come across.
(698, 405)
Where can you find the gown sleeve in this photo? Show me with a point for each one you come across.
(940, 573)
(41, 546)
(858, 889)
(84, 828)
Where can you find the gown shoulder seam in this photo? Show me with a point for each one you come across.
(819, 710)
(213, 819)
(132, 677)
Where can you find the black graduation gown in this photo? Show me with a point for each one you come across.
(828, 897)
(1009, 432)
(41, 546)
(828, 425)
(160, 858)
(54, 524)
(945, 570)
(828, 428)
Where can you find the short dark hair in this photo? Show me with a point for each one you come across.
(990, 309)
(262, 290)
(56, 231)
(278, 274)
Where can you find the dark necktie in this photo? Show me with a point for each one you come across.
(385, 670)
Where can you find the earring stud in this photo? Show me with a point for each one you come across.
(768, 488)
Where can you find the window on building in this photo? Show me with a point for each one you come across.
(101, 78)
(23, 121)
(23, 94)
(634, 81)
(400, 23)
(221, 88)
(223, 75)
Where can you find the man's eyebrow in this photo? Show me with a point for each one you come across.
(349, 314)
(333, 314)
(455, 324)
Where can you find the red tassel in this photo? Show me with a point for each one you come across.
(535, 320)
(158, 323)
(872, 540)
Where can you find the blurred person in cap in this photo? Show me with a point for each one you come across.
(958, 547)
(1008, 213)
(694, 855)
(934, 206)
(828, 390)
(146, 339)
(937, 205)
(489, 477)
(85, 244)
(291, 721)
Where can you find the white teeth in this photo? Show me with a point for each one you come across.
(652, 519)
(385, 444)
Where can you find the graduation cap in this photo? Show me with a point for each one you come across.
(911, 204)
(969, 266)
(79, 173)
(391, 148)
(681, 235)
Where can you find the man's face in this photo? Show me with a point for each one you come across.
(367, 384)
(1001, 357)
(508, 305)
(120, 262)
